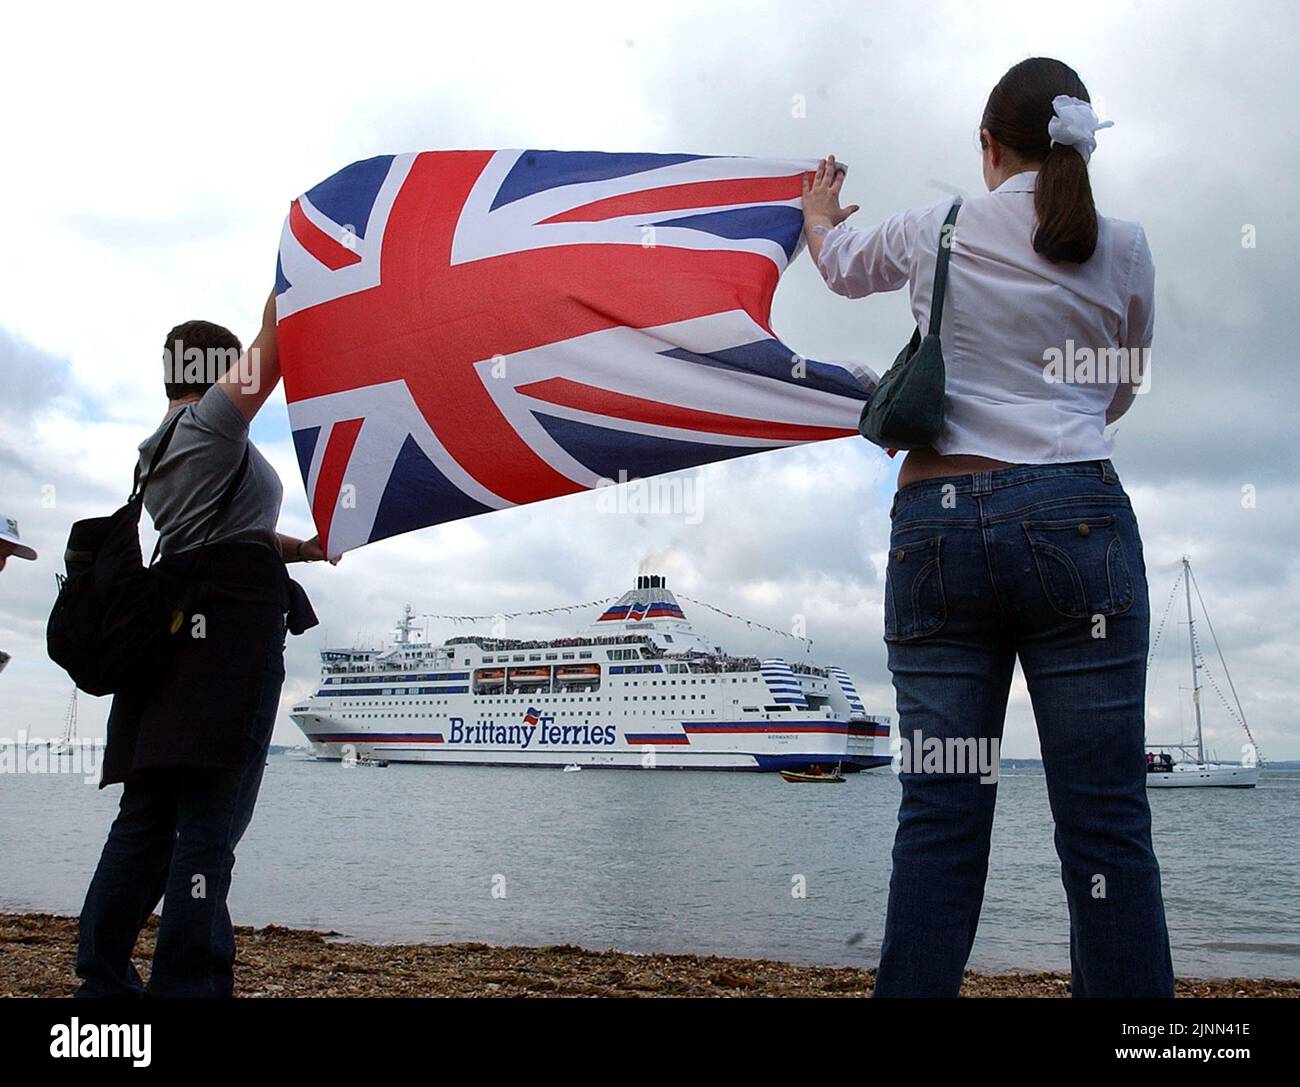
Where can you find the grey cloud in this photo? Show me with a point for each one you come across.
(30, 378)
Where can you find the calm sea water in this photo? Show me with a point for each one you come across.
(698, 862)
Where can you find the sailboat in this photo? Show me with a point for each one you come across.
(69, 738)
(1191, 769)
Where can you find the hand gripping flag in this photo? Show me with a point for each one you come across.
(462, 331)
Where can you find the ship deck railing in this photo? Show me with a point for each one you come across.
(697, 661)
(496, 645)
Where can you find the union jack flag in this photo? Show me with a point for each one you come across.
(462, 331)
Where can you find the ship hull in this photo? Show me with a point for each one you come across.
(686, 746)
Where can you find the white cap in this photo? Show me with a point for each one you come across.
(9, 534)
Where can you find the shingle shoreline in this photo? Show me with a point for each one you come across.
(37, 949)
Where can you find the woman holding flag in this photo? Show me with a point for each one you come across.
(1012, 538)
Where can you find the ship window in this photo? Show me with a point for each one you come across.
(584, 656)
(566, 656)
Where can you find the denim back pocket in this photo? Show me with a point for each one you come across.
(1081, 565)
(914, 600)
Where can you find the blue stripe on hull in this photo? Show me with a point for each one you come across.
(849, 764)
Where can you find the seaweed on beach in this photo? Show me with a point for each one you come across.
(37, 950)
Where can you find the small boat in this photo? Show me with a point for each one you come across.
(530, 675)
(814, 774)
(1190, 775)
(572, 768)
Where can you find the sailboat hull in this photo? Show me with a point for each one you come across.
(1191, 776)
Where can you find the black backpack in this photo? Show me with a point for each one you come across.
(114, 618)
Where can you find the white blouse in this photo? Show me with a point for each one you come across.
(1033, 374)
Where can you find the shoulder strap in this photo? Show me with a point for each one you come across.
(223, 503)
(137, 488)
(946, 236)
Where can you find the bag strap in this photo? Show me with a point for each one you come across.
(223, 503)
(941, 268)
(137, 488)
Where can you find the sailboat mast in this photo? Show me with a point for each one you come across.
(1196, 672)
(70, 719)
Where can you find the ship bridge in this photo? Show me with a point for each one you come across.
(651, 610)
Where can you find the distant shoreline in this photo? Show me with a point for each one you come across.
(37, 949)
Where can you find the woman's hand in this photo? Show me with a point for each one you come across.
(821, 195)
(821, 203)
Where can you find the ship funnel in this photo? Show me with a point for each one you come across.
(650, 607)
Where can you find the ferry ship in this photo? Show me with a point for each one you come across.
(640, 689)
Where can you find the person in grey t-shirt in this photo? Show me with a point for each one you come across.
(189, 745)
(208, 445)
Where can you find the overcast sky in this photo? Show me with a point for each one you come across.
(151, 158)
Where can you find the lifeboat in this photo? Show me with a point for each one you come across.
(578, 671)
(530, 675)
(490, 675)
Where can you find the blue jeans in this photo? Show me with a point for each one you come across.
(1042, 563)
(174, 839)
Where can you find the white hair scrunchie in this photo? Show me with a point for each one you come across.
(1074, 125)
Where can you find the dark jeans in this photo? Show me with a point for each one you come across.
(1042, 563)
(174, 839)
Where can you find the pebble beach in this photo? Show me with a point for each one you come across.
(37, 950)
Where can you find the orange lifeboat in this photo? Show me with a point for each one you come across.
(578, 671)
(529, 675)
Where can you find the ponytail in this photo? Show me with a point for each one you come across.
(1018, 112)
(1067, 216)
